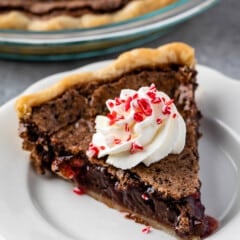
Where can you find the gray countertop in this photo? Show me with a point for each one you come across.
(215, 35)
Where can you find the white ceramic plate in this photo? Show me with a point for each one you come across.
(44, 208)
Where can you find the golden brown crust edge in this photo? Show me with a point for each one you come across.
(19, 20)
(173, 53)
(142, 218)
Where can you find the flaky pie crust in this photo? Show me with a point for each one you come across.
(19, 20)
(173, 53)
(144, 220)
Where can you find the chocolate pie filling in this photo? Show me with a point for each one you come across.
(58, 133)
(50, 8)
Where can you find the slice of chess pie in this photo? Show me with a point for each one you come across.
(128, 135)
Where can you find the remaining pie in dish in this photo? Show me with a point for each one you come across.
(156, 180)
(45, 15)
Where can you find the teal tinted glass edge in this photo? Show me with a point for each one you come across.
(75, 56)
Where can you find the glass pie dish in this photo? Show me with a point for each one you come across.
(90, 42)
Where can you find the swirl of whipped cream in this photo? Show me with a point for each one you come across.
(142, 126)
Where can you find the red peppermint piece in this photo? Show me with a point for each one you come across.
(117, 141)
(166, 110)
(138, 117)
(102, 147)
(135, 96)
(79, 191)
(112, 117)
(174, 115)
(145, 106)
(152, 95)
(156, 100)
(146, 230)
(159, 121)
(153, 87)
(92, 150)
(119, 118)
(118, 101)
(145, 197)
(135, 148)
(127, 129)
(111, 104)
(168, 103)
(128, 104)
(129, 138)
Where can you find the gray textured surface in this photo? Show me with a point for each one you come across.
(214, 34)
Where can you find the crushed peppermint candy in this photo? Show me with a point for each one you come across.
(138, 117)
(159, 120)
(145, 106)
(145, 197)
(110, 104)
(79, 191)
(129, 138)
(134, 125)
(117, 140)
(92, 151)
(135, 148)
(146, 230)
(128, 104)
(127, 129)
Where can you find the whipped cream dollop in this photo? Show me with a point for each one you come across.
(142, 126)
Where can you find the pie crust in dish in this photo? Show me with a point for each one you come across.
(25, 15)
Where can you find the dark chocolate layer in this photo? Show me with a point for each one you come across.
(185, 216)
